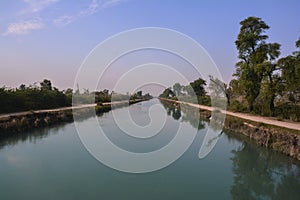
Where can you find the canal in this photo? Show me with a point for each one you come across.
(53, 163)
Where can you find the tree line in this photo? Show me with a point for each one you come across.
(44, 96)
(264, 83)
(33, 97)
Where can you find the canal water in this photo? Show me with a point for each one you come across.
(52, 163)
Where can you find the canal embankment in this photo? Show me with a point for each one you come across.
(281, 136)
(24, 121)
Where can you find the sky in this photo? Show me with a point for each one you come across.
(51, 38)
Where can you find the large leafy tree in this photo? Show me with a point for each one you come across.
(271, 72)
(255, 55)
(290, 67)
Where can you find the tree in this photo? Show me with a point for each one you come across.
(269, 68)
(32, 98)
(167, 93)
(106, 91)
(219, 89)
(198, 87)
(235, 88)
(139, 94)
(69, 91)
(22, 87)
(86, 91)
(254, 56)
(177, 88)
(46, 85)
(189, 90)
(290, 67)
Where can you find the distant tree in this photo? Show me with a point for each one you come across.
(105, 91)
(147, 96)
(22, 87)
(177, 88)
(198, 87)
(32, 98)
(188, 90)
(290, 67)
(77, 91)
(255, 56)
(86, 91)
(139, 94)
(219, 88)
(46, 85)
(167, 93)
(69, 91)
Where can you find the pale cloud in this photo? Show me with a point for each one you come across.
(23, 27)
(63, 20)
(93, 8)
(37, 5)
(111, 3)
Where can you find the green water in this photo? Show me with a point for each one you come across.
(52, 163)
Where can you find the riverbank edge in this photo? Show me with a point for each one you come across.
(25, 121)
(280, 139)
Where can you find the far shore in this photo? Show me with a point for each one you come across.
(65, 108)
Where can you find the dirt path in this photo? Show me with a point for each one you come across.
(48, 110)
(259, 119)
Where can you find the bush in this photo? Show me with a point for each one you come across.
(238, 106)
(28, 98)
(204, 100)
(288, 111)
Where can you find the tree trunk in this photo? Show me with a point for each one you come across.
(251, 105)
(228, 99)
(272, 106)
(271, 89)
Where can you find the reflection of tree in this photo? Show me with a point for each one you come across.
(176, 113)
(171, 109)
(33, 136)
(12, 138)
(263, 174)
(215, 138)
(289, 187)
(185, 112)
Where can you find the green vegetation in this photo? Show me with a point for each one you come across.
(270, 86)
(256, 60)
(263, 83)
(33, 98)
(45, 96)
(195, 90)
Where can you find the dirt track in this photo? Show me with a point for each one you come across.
(259, 119)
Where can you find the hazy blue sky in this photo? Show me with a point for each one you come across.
(50, 38)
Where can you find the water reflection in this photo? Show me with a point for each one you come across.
(196, 118)
(186, 113)
(236, 169)
(260, 173)
(12, 138)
